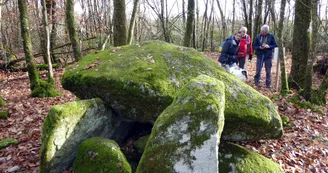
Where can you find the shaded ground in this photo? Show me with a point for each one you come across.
(304, 147)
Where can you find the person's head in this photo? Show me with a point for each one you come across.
(243, 31)
(265, 30)
(237, 36)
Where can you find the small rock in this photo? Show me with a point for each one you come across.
(152, 61)
(13, 169)
(148, 69)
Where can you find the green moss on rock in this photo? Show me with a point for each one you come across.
(67, 126)
(44, 88)
(237, 159)
(140, 144)
(188, 131)
(4, 114)
(100, 155)
(7, 141)
(140, 81)
(2, 102)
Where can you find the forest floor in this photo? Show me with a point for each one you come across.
(302, 149)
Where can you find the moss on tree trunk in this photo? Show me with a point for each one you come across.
(39, 87)
(119, 23)
(190, 23)
(70, 23)
(284, 89)
(301, 44)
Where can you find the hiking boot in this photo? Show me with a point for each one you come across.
(268, 86)
(256, 83)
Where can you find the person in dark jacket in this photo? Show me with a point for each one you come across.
(264, 45)
(229, 50)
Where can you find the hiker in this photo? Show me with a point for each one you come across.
(244, 48)
(229, 51)
(264, 45)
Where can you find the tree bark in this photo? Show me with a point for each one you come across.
(204, 28)
(119, 19)
(190, 23)
(317, 97)
(224, 24)
(184, 12)
(250, 19)
(53, 35)
(32, 71)
(47, 39)
(133, 20)
(70, 23)
(284, 89)
(233, 16)
(258, 18)
(301, 43)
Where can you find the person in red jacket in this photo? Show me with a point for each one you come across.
(244, 48)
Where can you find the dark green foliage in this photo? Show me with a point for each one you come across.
(304, 104)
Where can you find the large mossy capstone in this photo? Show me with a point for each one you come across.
(68, 125)
(140, 81)
(237, 159)
(100, 155)
(186, 135)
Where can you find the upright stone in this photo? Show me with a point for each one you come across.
(186, 135)
(68, 125)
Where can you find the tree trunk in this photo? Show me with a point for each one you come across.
(224, 24)
(273, 15)
(119, 19)
(233, 16)
(204, 28)
(70, 23)
(184, 12)
(53, 35)
(309, 68)
(284, 82)
(190, 23)
(47, 37)
(258, 18)
(301, 43)
(133, 20)
(32, 71)
(245, 12)
(38, 87)
(250, 19)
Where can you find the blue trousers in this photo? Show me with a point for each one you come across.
(267, 61)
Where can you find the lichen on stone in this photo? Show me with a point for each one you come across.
(100, 155)
(237, 159)
(185, 136)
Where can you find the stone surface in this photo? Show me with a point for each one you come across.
(237, 159)
(68, 125)
(186, 135)
(140, 81)
(100, 155)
